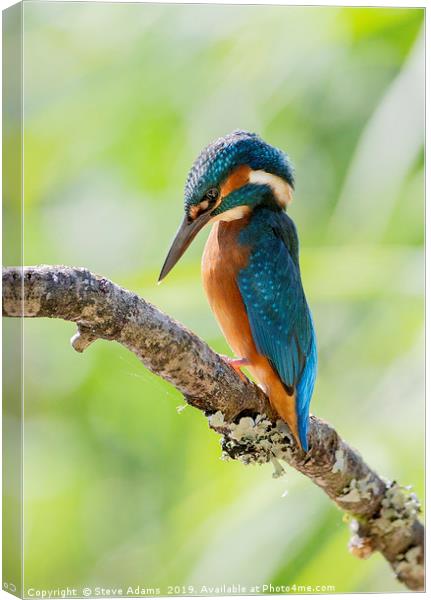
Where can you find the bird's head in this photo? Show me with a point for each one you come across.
(230, 178)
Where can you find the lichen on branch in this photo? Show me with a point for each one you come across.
(385, 515)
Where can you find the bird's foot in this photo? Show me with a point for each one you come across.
(236, 364)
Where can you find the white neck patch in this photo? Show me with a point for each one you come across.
(239, 212)
(282, 191)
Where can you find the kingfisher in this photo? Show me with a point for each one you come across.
(250, 268)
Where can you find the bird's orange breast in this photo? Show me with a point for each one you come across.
(222, 259)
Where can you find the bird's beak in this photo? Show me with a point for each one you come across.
(186, 233)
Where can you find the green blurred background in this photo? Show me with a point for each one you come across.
(120, 488)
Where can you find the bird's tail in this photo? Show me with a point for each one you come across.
(304, 391)
(292, 404)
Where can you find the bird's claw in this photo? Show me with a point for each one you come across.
(236, 364)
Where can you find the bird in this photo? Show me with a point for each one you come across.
(242, 186)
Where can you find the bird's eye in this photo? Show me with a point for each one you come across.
(212, 195)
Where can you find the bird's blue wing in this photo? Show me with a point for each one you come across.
(279, 316)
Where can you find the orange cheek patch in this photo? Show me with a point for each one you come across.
(193, 212)
(236, 180)
(197, 209)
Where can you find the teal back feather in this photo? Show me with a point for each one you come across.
(279, 316)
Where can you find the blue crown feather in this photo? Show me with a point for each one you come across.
(217, 160)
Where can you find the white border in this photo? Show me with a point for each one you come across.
(352, 3)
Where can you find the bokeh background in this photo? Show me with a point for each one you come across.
(120, 488)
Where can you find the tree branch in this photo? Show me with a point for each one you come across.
(384, 513)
